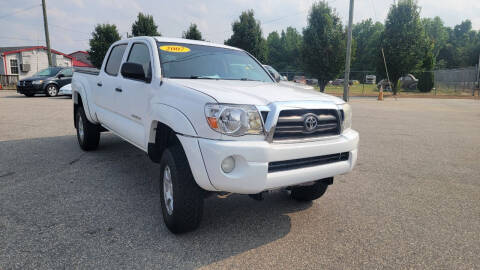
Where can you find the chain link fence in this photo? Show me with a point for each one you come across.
(457, 81)
(447, 82)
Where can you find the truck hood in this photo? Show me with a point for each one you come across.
(253, 92)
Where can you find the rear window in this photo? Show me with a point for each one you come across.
(115, 59)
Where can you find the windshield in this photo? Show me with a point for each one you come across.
(51, 71)
(189, 61)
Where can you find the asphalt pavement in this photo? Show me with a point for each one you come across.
(413, 201)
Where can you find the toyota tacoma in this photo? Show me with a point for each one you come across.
(215, 120)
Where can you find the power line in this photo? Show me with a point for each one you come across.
(69, 29)
(286, 16)
(18, 38)
(19, 11)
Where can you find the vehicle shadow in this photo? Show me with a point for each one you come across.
(23, 96)
(39, 96)
(102, 209)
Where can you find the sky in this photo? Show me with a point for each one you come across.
(72, 21)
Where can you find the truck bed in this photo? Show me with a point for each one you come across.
(87, 70)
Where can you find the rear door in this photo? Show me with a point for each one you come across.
(132, 102)
(108, 86)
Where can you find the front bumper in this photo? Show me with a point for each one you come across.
(252, 160)
(63, 91)
(30, 89)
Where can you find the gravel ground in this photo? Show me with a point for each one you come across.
(413, 201)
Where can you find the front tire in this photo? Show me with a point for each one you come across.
(52, 90)
(180, 197)
(88, 134)
(309, 193)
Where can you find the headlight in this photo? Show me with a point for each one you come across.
(347, 116)
(38, 82)
(234, 120)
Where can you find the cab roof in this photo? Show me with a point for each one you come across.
(196, 42)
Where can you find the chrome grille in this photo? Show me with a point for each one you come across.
(307, 123)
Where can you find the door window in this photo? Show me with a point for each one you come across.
(68, 72)
(140, 54)
(115, 59)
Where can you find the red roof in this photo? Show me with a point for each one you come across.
(77, 63)
(81, 59)
(36, 48)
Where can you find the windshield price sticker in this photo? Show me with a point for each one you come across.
(174, 49)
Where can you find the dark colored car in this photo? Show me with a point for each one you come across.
(340, 82)
(408, 82)
(47, 81)
(300, 79)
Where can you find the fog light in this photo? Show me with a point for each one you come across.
(228, 164)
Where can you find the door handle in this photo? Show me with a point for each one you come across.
(118, 89)
(99, 84)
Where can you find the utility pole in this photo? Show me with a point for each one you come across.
(47, 36)
(349, 54)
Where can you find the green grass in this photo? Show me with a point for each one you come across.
(355, 90)
(371, 90)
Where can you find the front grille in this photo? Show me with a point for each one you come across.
(25, 83)
(293, 164)
(291, 124)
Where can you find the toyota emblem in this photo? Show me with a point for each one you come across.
(310, 122)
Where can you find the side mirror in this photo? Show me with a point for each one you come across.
(133, 71)
(60, 75)
(277, 77)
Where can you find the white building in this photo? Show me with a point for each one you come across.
(27, 60)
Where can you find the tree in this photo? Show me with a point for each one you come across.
(403, 40)
(426, 78)
(103, 36)
(276, 51)
(144, 26)
(292, 42)
(284, 50)
(324, 44)
(247, 35)
(436, 32)
(462, 48)
(192, 33)
(367, 39)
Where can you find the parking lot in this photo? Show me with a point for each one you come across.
(413, 201)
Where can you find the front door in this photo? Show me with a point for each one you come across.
(64, 77)
(132, 102)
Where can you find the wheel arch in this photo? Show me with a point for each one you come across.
(164, 136)
(165, 124)
(49, 83)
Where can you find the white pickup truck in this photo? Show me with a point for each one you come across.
(215, 120)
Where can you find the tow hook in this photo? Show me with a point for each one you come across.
(223, 195)
(257, 197)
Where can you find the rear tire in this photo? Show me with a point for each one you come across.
(88, 134)
(180, 197)
(309, 193)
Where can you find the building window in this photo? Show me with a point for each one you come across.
(13, 66)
